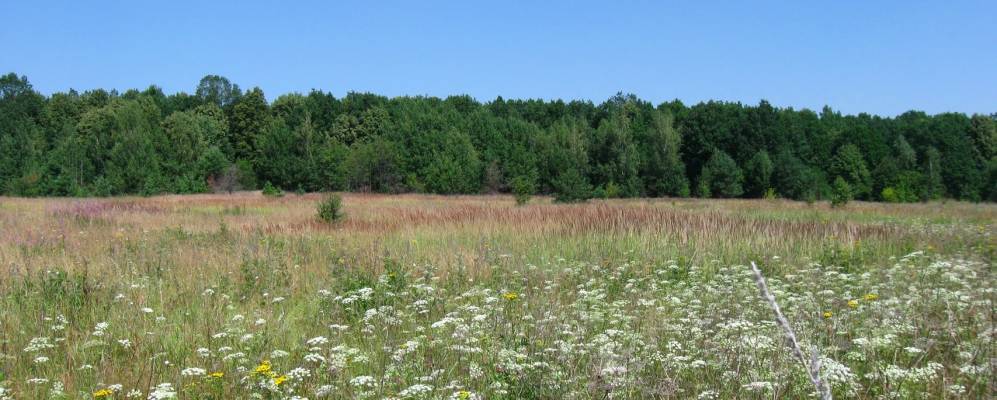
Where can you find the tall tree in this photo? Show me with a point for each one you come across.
(217, 90)
(721, 177)
(250, 115)
(661, 163)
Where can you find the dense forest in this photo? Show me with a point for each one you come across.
(101, 143)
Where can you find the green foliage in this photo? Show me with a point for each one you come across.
(270, 190)
(245, 175)
(144, 142)
(850, 165)
(571, 187)
(842, 192)
(794, 179)
(523, 188)
(376, 166)
(890, 195)
(721, 177)
(662, 168)
(455, 167)
(330, 209)
(758, 174)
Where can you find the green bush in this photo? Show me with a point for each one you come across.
(330, 209)
(571, 187)
(270, 190)
(842, 192)
(523, 188)
(890, 195)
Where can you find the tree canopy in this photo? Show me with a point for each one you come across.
(101, 142)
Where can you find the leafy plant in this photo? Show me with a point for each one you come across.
(842, 192)
(270, 190)
(330, 209)
(523, 188)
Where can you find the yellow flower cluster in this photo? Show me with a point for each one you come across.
(264, 369)
(103, 393)
(511, 296)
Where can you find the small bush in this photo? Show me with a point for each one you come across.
(770, 194)
(522, 188)
(841, 194)
(330, 209)
(889, 195)
(270, 190)
(612, 190)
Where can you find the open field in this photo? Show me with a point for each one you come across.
(244, 296)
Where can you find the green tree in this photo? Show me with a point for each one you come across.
(721, 176)
(661, 164)
(842, 192)
(375, 166)
(133, 160)
(187, 135)
(758, 174)
(217, 90)
(849, 164)
(250, 116)
(523, 188)
(571, 186)
(933, 187)
(455, 167)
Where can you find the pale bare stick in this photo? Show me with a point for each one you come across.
(813, 367)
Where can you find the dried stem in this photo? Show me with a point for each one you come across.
(813, 367)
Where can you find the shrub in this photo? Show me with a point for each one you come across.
(612, 190)
(770, 194)
(270, 190)
(889, 195)
(523, 188)
(571, 187)
(330, 209)
(842, 192)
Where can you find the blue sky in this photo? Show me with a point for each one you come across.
(881, 57)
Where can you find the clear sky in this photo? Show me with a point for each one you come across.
(881, 57)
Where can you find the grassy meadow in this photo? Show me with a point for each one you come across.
(244, 296)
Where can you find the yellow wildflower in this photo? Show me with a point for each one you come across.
(511, 296)
(853, 303)
(280, 379)
(100, 394)
(463, 395)
(263, 368)
(218, 374)
(828, 315)
(871, 297)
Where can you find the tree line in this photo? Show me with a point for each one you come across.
(103, 143)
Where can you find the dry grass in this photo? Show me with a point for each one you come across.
(165, 252)
(465, 231)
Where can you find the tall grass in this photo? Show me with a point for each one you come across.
(474, 297)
